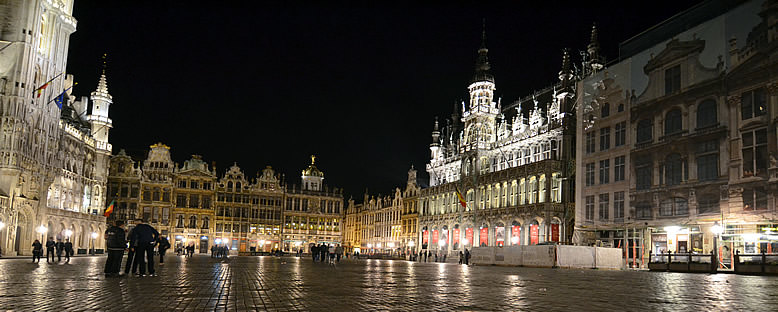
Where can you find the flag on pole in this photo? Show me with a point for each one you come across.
(60, 99)
(40, 89)
(461, 198)
(109, 210)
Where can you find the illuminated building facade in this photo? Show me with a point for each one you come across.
(53, 159)
(313, 213)
(193, 212)
(513, 164)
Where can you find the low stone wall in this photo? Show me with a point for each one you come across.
(549, 256)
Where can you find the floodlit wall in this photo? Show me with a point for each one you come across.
(550, 256)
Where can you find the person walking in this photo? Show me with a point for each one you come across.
(37, 250)
(461, 257)
(338, 252)
(145, 237)
(314, 252)
(115, 243)
(213, 251)
(69, 251)
(331, 252)
(163, 246)
(60, 246)
(50, 249)
(467, 257)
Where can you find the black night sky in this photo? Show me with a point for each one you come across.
(358, 85)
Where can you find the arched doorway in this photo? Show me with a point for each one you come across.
(534, 232)
(425, 238)
(483, 235)
(499, 234)
(555, 229)
(443, 243)
(515, 233)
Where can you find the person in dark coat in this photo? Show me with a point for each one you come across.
(314, 252)
(50, 249)
(145, 237)
(163, 246)
(323, 252)
(37, 251)
(69, 251)
(131, 263)
(115, 243)
(60, 248)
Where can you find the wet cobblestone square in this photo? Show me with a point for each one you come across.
(202, 283)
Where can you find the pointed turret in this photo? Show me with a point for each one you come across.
(101, 104)
(595, 60)
(482, 67)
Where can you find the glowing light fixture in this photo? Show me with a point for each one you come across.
(94, 234)
(68, 233)
(42, 229)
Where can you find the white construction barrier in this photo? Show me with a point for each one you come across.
(549, 256)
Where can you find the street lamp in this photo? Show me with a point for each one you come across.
(465, 242)
(94, 235)
(716, 230)
(42, 231)
(68, 233)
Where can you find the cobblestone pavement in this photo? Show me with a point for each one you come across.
(201, 283)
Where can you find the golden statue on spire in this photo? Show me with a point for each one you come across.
(313, 159)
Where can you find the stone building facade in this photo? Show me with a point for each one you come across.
(193, 212)
(53, 149)
(700, 109)
(513, 165)
(313, 213)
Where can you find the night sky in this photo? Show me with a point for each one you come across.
(357, 85)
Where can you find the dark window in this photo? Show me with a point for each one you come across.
(643, 210)
(621, 107)
(753, 104)
(605, 138)
(673, 79)
(706, 114)
(180, 201)
(589, 174)
(755, 153)
(618, 173)
(620, 133)
(754, 199)
(194, 185)
(644, 131)
(156, 195)
(604, 171)
(673, 122)
(206, 202)
(182, 183)
(590, 207)
(604, 205)
(180, 221)
(134, 191)
(708, 160)
(673, 169)
(605, 111)
(708, 203)
(205, 222)
(618, 205)
(590, 138)
(194, 201)
(643, 173)
(193, 222)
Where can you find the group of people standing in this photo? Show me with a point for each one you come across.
(323, 252)
(51, 247)
(464, 257)
(142, 239)
(219, 251)
(188, 250)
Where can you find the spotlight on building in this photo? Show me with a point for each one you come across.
(68, 233)
(42, 229)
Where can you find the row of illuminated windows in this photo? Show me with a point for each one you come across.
(194, 184)
(191, 222)
(254, 213)
(311, 223)
(252, 228)
(529, 190)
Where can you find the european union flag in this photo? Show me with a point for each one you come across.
(60, 99)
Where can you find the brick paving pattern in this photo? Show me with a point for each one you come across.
(202, 283)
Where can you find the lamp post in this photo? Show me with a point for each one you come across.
(42, 231)
(716, 230)
(94, 235)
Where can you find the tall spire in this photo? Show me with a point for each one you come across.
(102, 84)
(596, 62)
(482, 67)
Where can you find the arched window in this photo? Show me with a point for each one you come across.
(237, 186)
(229, 186)
(673, 121)
(644, 131)
(193, 222)
(205, 222)
(706, 114)
(673, 169)
(180, 221)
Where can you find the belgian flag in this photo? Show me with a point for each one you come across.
(109, 210)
